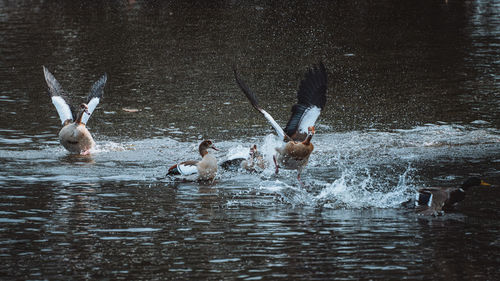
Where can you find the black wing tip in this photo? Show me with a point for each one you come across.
(47, 74)
(53, 85)
(246, 90)
(45, 69)
(97, 89)
(312, 89)
(104, 78)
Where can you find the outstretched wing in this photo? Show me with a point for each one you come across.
(59, 99)
(311, 99)
(94, 97)
(253, 100)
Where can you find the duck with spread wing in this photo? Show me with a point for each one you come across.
(74, 135)
(297, 135)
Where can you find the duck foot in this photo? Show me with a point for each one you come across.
(276, 165)
(300, 182)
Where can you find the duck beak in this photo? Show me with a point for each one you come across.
(483, 183)
(311, 130)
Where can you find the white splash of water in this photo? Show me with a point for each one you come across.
(367, 190)
(108, 146)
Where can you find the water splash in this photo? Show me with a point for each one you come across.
(355, 188)
(369, 169)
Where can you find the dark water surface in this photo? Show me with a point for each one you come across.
(413, 101)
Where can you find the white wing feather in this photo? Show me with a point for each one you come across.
(187, 170)
(91, 105)
(275, 125)
(309, 118)
(62, 108)
(96, 92)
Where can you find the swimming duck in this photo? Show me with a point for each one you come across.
(252, 163)
(435, 200)
(205, 169)
(299, 130)
(74, 135)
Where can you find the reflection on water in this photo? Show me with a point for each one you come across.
(412, 102)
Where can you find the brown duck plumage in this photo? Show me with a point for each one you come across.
(436, 200)
(204, 169)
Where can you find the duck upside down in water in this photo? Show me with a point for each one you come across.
(252, 163)
(204, 169)
(435, 200)
(74, 135)
(299, 130)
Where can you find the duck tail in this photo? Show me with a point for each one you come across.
(174, 170)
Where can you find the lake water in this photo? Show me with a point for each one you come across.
(413, 101)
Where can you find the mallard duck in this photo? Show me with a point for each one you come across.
(74, 135)
(299, 130)
(204, 169)
(436, 200)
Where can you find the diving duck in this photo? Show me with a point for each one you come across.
(252, 163)
(299, 130)
(74, 135)
(204, 170)
(435, 200)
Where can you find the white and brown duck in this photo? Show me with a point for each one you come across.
(299, 130)
(203, 170)
(436, 200)
(74, 135)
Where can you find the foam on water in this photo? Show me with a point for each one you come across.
(369, 169)
(355, 169)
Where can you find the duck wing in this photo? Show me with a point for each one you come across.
(432, 200)
(94, 97)
(311, 99)
(59, 97)
(185, 168)
(255, 103)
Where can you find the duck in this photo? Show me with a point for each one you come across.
(203, 170)
(253, 163)
(74, 135)
(436, 200)
(298, 132)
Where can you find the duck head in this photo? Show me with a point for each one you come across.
(83, 109)
(205, 145)
(474, 181)
(253, 150)
(310, 134)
